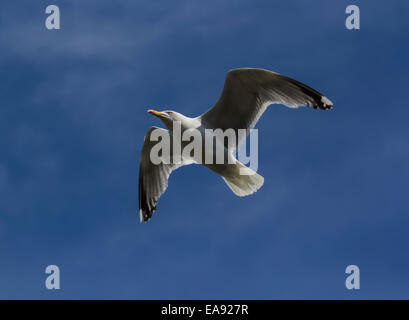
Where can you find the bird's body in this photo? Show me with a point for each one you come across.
(246, 95)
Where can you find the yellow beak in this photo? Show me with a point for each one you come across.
(155, 113)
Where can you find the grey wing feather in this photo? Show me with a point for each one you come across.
(153, 179)
(247, 92)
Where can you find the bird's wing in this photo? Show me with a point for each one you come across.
(153, 178)
(247, 92)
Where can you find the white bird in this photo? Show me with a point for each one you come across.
(246, 94)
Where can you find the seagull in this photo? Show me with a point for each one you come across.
(246, 94)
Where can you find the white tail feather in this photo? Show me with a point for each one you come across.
(243, 185)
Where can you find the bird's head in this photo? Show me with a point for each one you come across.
(167, 117)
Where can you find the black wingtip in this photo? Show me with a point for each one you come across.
(323, 103)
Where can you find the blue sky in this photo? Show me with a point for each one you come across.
(73, 117)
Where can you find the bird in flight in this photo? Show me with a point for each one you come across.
(246, 94)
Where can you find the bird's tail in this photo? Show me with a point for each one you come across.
(242, 180)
